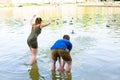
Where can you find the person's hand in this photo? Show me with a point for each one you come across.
(67, 50)
(34, 15)
(49, 21)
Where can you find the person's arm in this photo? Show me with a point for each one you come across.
(31, 21)
(62, 66)
(44, 25)
(70, 46)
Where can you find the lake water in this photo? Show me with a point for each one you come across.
(94, 32)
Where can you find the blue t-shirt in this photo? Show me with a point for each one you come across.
(62, 44)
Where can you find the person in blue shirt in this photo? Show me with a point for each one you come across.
(61, 49)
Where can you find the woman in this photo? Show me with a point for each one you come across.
(32, 39)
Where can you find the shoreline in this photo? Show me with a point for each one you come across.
(98, 5)
(82, 4)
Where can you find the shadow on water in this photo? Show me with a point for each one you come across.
(34, 73)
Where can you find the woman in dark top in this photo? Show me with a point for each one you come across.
(32, 39)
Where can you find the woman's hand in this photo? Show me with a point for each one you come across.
(31, 21)
(34, 15)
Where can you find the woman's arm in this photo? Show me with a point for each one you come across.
(44, 25)
(31, 21)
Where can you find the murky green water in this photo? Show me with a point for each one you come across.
(94, 31)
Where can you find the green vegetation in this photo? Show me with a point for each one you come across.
(6, 5)
(20, 5)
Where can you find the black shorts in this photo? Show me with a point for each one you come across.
(32, 43)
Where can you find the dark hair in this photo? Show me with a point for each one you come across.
(66, 37)
(38, 20)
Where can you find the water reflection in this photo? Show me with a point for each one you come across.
(61, 76)
(34, 73)
(95, 35)
(113, 24)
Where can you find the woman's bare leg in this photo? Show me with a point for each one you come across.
(34, 54)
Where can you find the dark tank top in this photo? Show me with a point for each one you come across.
(34, 33)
